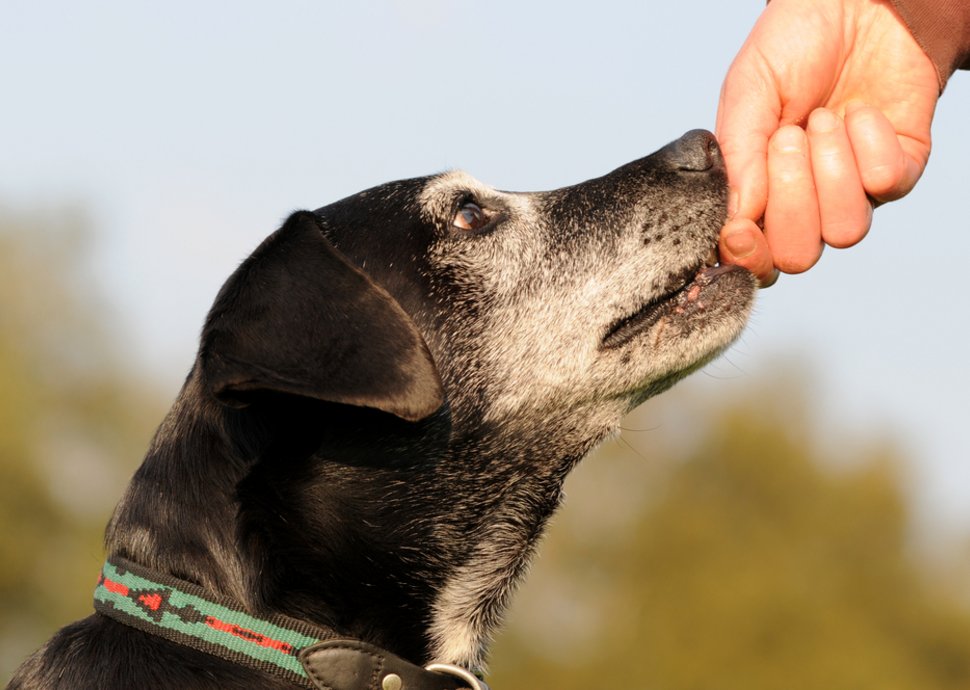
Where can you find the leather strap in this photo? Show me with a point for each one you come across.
(354, 665)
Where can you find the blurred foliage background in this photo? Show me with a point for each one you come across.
(722, 542)
(750, 555)
(75, 419)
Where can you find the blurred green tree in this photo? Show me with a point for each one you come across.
(755, 563)
(73, 425)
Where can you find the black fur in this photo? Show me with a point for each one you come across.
(353, 445)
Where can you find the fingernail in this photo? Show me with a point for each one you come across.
(740, 243)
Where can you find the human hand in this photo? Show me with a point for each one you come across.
(827, 105)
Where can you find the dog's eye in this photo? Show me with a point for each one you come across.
(470, 217)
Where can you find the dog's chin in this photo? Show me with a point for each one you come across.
(712, 308)
(688, 297)
(704, 317)
(685, 328)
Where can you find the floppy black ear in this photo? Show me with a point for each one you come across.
(297, 317)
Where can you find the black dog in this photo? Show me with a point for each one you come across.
(388, 395)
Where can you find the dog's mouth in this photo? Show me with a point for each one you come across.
(681, 296)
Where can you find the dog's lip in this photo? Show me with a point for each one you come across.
(684, 288)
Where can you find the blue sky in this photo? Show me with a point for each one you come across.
(189, 130)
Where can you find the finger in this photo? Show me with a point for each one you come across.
(792, 225)
(748, 112)
(886, 170)
(844, 211)
(742, 243)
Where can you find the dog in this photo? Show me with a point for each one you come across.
(387, 397)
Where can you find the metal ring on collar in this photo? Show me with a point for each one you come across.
(474, 682)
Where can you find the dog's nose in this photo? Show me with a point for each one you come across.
(696, 151)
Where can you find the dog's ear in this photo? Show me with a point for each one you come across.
(297, 317)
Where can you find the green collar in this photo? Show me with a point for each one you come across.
(184, 613)
(301, 653)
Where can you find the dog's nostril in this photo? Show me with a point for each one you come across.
(696, 151)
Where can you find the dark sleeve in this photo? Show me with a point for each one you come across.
(942, 28)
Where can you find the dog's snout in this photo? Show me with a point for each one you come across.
(696, 151)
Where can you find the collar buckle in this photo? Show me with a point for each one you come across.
(474, 682)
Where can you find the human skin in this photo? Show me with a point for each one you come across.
(824, 113)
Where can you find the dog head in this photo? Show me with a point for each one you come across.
(508, 305)
(390, 391)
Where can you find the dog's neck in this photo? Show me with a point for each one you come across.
(340, 526)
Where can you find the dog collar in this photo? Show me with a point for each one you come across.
(306, 655)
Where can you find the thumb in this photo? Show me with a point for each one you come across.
(748, 113)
